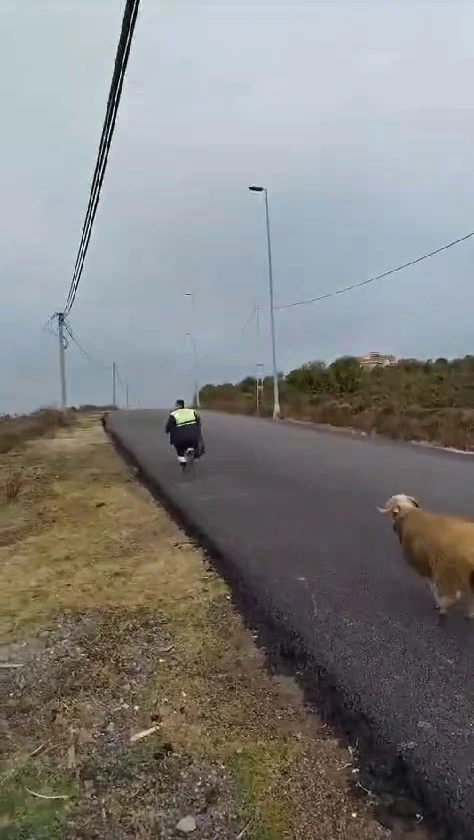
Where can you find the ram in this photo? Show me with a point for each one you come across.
(439, 547)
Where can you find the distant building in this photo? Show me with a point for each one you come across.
(374, 359)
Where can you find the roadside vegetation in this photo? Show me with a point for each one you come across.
(136, 702)
(17, 430)
(413, 400)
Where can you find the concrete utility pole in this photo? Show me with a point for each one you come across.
(114, 384)
(276, 389)
(62, 360)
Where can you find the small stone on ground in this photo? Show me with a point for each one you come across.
(187, 825)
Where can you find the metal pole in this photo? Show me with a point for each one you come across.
(276, 390)
(128, 401)
(114, 386)
(196, 383)
(196, 374)
(194, 346)
(62, 361)
(257, 379)
(259, 388)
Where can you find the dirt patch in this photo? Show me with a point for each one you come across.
(140, 700)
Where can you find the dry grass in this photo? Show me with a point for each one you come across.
(16, 431)
(119, 625)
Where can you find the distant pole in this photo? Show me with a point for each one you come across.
(259, 385)
(276, 389)
(62, 360)
(114, 384)
(259, 366)
(196, 381)
(194, 346)
(128, 401)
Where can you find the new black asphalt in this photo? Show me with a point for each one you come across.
(295, 510)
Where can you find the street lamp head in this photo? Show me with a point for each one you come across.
(256, 189)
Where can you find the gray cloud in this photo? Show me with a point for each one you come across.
(357, 116)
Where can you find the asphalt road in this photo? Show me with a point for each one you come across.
(295, 509)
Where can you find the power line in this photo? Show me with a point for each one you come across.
(125, 385)
(115, 92)
(49, 326)
(119, 378)
(116, 374)
(68, 329)
(247, 322)
(121, 60)
(378, 276)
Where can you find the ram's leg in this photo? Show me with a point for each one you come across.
(441, 602)
(445, 602)
(444, 596)
(470, 605)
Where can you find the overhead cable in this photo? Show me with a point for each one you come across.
(121, 61)
(68, 329)
(247, 322)
(358, 285)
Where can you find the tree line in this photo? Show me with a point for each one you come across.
(430, 399)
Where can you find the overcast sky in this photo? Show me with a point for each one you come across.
(357, 116)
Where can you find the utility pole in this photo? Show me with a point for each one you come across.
(127, 399)
(114, 384)
(276, 389)
(62, 360)
(259, 386)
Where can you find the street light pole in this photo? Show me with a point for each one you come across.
(194, 345)
(276, 389)
(259, 386)
(114, 384)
